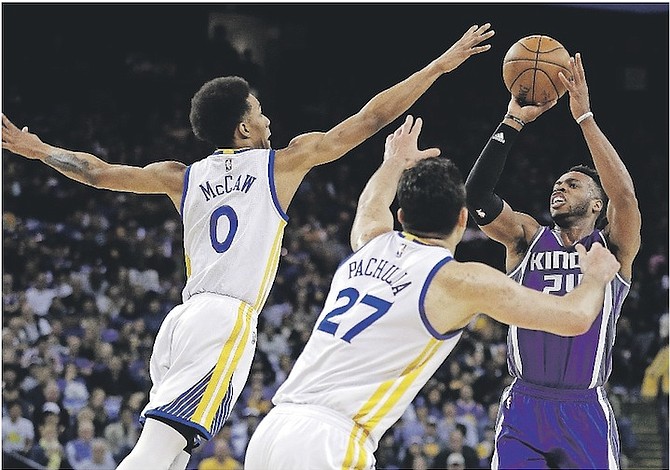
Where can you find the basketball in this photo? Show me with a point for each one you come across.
(530, 69)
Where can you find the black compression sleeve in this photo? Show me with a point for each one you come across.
(484, 205)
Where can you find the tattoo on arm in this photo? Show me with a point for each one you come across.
(70, 164)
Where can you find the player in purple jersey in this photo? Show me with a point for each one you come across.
(556, 413)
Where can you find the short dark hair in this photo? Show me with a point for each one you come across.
(217, 108)
(431, 195)
(593, 174)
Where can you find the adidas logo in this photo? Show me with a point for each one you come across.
(480, 213)
(500, 137)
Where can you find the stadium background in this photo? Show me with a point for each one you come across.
(88, 275)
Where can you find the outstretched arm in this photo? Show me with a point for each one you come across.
(495, 217)
(309, 150)
(156, 178)
(472, 288)
(373, 216)
(623, 212)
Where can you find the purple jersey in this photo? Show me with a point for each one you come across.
(550, 360)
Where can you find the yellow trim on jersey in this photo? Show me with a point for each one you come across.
(223, 371)
(187, 260)
(270, 268)
(362, 430)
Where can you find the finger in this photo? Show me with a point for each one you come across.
(389, 138)
(418, 124)
(8, 123)
(566, 83)
(483, 28)
(480, 49)
(431, 152)
(548, 105)
(487, 35)
(581, 251)
(407, 125)
(580, 66)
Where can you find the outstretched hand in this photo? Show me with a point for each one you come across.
(465, 47)
(528, 112)
(598, 261)
(402, 145)
(577, 87)
(20, 141)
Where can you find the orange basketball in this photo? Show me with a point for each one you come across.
(530, 69)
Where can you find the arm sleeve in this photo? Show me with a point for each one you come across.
(484, 205)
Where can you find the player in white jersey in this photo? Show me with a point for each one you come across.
(233, 205)
(395, 310)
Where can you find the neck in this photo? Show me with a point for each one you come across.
(574, 233)
(432, 239)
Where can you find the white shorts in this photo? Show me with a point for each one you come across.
(201, 360)
(307, 437)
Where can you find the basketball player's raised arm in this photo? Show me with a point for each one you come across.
(623, 212)
(373, 216)
(480, 288)
(495, 217)
(156, 178)
(316, 148)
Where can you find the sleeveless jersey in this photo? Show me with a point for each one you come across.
(550, 360)
(233, 225)
(372, 348)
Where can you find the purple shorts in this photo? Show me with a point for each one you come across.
(540, 427)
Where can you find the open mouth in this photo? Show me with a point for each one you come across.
(557, 200)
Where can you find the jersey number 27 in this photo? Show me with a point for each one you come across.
(380, 307)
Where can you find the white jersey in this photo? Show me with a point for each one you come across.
(372, 348)
(233, 225)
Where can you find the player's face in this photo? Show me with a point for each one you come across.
(571, 198)
(258, 123)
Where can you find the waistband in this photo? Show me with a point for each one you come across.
(560, 394)
(328, 415)
(201, 296)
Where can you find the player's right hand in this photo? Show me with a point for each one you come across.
(466, 46)
(528, 112)
(598, 262)
(20, 141)
(401, 147)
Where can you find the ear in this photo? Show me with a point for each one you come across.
(597, 205)
(462, 218)
(243, 129)
(401, 217)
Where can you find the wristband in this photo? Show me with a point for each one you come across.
(584, 117)
(515, 119)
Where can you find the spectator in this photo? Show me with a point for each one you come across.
(48, 451)
(80, 450)
(40, 295)
(18, 431)
(222, 458)
(456, 445)
(122, 434)
(100, 459)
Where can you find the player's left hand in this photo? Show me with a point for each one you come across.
(467, 46)
(20, 141)
(577, 87)
(401, 147)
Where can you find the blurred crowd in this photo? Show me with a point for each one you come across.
(88, 277)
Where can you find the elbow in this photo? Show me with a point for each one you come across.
(580, 325)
